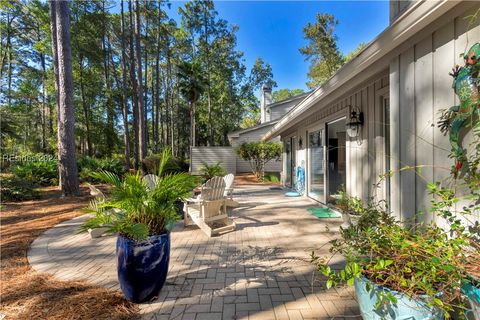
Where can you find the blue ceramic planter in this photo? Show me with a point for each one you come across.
(405, 308)
(142, 266)
(473, 295)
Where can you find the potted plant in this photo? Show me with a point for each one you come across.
(397, 271)
(140, 215)
(351, 207)
(461, 225)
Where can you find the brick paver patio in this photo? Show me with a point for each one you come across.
(259, 271)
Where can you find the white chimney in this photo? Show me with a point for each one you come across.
(265, 100)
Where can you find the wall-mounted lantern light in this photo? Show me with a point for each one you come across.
(355, 123)
(300, 143)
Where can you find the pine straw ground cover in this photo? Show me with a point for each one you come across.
(26, 294)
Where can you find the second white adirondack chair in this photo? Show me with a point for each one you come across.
(228, 193)
(209, 209)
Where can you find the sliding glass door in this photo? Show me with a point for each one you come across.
(316, 165)
(336, 158)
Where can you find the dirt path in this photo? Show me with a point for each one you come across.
(25, 294)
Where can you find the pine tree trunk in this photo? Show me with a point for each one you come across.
(126, 135)
(142, 146)
(66, 117)
(192, 124)
(207, 63)
(134, 91)
(156, 107)
(145, 86)
(85, 108)
(108, 90)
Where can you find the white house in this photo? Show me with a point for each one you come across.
(399, 82)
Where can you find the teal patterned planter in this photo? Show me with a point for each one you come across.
(405, 308)
(473, 295)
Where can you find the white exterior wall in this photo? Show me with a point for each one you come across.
(278, 111)
(421, 87)
(418, 84)
(212, 155)
(365, 155)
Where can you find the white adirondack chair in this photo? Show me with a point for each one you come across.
(100, 196)
(209, 209)
(151, 179)
(228, 193)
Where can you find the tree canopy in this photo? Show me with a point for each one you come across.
(128, 92)
(322, 49)
(285, 93)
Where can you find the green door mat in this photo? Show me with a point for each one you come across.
(324, 213)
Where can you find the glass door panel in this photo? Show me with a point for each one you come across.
(316, 165)
(337, 164)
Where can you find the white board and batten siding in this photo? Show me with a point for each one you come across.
(365, 155)
(279, 109)
(211, 156)
(420, 88)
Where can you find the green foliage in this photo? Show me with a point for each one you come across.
(16, 189)
(173, 165)
(322, 49)
(349, 204)
(286, 93)
(272, 177)
(192, 80)
(249, 122)
(258, 154)
(40, 172)
(87, 165)
(355, 52)
(209, 171)
(133, 209)
(215, 77)
(416, 261)
(261, 73)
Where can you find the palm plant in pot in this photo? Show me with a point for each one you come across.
(397, 271)
(140, 215)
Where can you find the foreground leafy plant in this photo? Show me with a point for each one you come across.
(136, 211)
(422, 262)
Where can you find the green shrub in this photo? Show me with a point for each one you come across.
(41, 172)
(173, 165)
(209, 171)
(15, 189)
(272, 177)
(87, 165)
(258, 154)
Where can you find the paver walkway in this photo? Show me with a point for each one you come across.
(259, 271)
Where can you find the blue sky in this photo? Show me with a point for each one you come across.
(273, 30)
